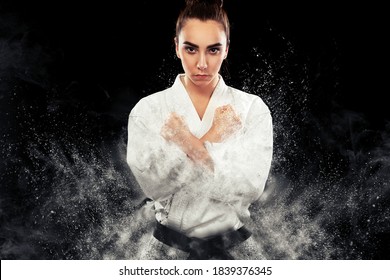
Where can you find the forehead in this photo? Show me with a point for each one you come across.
(202, 32)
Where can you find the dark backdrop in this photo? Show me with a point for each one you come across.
(70, 73)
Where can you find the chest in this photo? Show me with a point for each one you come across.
(198, 113)
(200, 105)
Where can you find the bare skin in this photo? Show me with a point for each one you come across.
(176, 130)
(225, 124)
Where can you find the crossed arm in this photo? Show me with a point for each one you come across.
(161, 169)
(225, 123)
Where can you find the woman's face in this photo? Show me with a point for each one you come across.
(202, 47)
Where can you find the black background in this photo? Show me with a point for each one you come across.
(120, 44)
(71, 72)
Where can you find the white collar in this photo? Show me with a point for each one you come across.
(184, 106)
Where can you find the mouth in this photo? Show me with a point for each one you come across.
(201, 76)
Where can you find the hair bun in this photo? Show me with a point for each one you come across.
(207, 2)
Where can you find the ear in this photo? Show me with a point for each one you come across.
(226, 51)
(177, 47)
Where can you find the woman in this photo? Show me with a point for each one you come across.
(201, 150)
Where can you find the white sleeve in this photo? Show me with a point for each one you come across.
(159, 167)
(242, 164)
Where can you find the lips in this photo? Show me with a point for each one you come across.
(201, 76)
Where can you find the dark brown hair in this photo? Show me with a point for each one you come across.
(204, 10)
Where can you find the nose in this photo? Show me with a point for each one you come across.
(202, 63)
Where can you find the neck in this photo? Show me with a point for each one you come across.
(200, 91)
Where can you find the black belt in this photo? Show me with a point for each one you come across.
(212, 248)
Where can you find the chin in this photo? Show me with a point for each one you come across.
(201, 83)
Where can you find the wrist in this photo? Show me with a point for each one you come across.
(211, 136)
(194, 148)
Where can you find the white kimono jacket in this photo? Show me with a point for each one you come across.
(188, 198)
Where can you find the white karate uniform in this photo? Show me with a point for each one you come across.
(187, 198)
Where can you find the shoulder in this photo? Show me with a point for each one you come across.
(249, 100)
(150, 103)
(152, 98)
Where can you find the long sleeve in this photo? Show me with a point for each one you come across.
(189, 197)
(159, 167)
(242, 163)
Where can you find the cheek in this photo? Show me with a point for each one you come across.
(187, 60)
(216, 62)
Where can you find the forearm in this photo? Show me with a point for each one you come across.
(211, 136)
(195, 150)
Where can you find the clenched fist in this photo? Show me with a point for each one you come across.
(225, 123)
(175, 129)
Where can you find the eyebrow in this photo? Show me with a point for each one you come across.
(196, 46)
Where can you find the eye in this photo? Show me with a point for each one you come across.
(214, 50)
(190, 49)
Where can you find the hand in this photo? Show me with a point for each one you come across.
(225, 123)
(175, 129)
